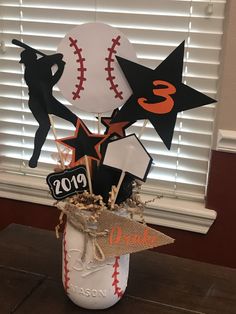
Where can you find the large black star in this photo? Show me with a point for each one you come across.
(83, 143)
(159, 94)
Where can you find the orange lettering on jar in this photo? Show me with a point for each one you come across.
(117, 236)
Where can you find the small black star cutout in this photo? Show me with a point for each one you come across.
(83, 143)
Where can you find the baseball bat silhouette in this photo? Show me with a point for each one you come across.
(25, 46)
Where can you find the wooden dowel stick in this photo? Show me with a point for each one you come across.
(55, 137)
(99, 123)
(143, 127)
(118, 188)
(88, 174)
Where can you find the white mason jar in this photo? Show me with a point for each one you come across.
(89, 283)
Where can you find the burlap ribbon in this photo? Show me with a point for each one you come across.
(114, 235)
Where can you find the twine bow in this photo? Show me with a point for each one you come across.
(78, 221)
(96, 248)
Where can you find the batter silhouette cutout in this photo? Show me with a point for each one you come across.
(40, 79)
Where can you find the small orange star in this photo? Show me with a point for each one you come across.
(117, 128)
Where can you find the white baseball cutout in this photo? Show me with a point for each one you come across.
(92, 79)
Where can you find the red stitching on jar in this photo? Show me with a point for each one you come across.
(115, 274)
(81, 69)
(110, 60)
(66, 270)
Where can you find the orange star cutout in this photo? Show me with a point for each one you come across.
(117, 128)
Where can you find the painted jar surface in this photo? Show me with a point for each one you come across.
(89, 283)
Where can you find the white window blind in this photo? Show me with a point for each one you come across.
(155, 28)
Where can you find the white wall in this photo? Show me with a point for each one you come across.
(226, 111)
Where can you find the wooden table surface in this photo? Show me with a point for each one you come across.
(30, 280)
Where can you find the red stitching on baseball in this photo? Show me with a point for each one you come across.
(79, 87)
(110, 59)
(115, 274)
(66, 270)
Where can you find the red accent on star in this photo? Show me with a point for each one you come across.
(117, 128)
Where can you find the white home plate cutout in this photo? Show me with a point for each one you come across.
(128, 155)
(92, 79)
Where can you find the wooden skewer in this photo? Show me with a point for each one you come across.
(88, 174)
(143, 127)
(129, 155)
(99, 123)
(57, 145)
(122, 176)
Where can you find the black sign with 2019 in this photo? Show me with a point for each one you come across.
(68, 182)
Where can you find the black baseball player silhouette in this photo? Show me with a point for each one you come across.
(40, 79)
